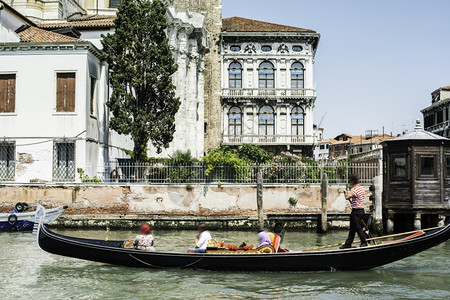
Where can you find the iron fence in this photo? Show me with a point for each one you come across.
(196, 173)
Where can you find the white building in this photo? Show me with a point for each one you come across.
(268, 89)
(53, 90)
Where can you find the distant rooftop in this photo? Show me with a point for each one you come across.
(95, 21)
(238, 24)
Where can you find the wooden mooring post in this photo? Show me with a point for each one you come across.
(259, 198)
(324, 193)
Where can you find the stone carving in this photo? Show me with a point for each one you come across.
(250, 48)
(283, 48)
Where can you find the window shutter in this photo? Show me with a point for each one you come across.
(65, 92)
(60, 92)
(7, 92)
(70, 105)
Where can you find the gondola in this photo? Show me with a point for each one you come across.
(358, 258)
(21, 219)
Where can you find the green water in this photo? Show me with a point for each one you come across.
(30, 273)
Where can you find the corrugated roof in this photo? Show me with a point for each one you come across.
(238, 24)
(37, 35)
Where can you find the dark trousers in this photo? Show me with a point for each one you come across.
(355, 226)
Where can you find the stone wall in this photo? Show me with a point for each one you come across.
(199, 200)
(212, 10)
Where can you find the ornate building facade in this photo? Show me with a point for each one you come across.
(268, 93)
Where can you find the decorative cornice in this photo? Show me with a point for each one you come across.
(51, 46)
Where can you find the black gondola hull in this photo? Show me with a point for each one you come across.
(362, 258)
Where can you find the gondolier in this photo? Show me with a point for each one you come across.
(356, 198)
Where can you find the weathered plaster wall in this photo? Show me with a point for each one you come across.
(197, 200)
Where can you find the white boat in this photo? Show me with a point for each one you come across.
(24, 220)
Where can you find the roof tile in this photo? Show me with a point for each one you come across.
(238, 24)
(37, 35)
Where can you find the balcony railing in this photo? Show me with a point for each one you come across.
(268, 93)
(438, 127)
(268, 139)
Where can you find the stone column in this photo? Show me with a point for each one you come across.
(192, 143)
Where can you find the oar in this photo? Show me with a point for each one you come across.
(375, 238)
(403, 233)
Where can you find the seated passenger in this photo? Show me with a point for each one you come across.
(202, 240)
(144, 241)
(264, 238)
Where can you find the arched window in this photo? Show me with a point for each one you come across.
(297, 116)
(235, 75)
(266, 75)
(266, 121)
(297, 75)
(235, 121)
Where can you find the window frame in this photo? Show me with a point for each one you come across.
(67, 172)
(266, 75)
(394, 173)
(63, 105)
(9, 81)
(266, 123)
(237, 77)
(297, 124)
(420, 174)
(298, 79)
(7, 165)
(235, 124)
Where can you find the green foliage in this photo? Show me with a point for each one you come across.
(85, 178)
(189, 187)
(76, 188)
(222, 156)
(254, 154)
(143, 101)
(292, 201)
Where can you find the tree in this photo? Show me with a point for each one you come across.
(141, 64)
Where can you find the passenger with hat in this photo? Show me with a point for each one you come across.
(144, 240)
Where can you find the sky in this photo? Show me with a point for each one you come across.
(377, 61)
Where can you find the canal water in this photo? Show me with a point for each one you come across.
(27, 272)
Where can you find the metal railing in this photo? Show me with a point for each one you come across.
(267, 139)
(198, 173)
(275, 92)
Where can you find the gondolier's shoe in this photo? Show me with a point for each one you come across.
(345, 246)
(363, 245)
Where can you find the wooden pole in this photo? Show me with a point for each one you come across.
(259, 198)
(324, 192)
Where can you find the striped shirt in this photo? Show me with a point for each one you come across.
(357, 196)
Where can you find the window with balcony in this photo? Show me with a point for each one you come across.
(297, 76)
(235, 121)
(235, 75)
(266, 75)
(7, 93)
(297, 117)
(266, 121)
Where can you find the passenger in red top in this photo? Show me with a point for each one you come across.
(356, 198)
